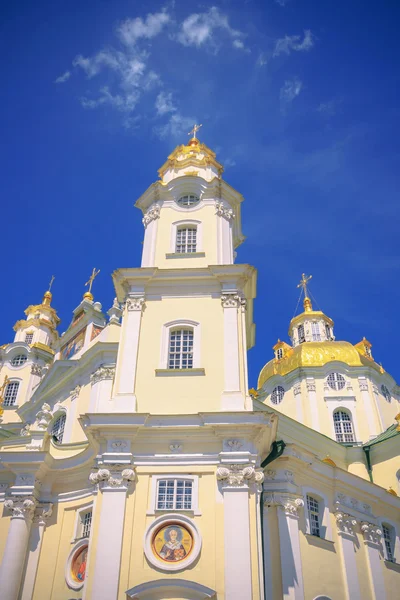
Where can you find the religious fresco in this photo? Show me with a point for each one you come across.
(95, 331)
(78, 565)
(73, 345)
(172, 543)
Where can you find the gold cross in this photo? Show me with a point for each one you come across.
(51, 282)
(195, 130)
(91, 279)
(303, 283)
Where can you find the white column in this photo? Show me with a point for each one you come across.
(128, 354)
(16, 546)
(289, 544)
(267, 554)
(346, 532)
(150, 221)
(35, 546)
(224, 233)
(312, 398)
(235, 481)
(232, 397)
(113, 485)
(367, 401)
(372, 542)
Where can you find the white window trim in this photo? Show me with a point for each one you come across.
(325, 526)
(347, 404)
(166, 328)
(60, 411)
(78, 521)
(396, 549)
(16, 403)
(195, 494)
(189, 223)
(18, 367)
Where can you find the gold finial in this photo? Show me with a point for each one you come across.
(88, 295)
(195, 129)
(2, 388)
(303, 284)
(48, 295)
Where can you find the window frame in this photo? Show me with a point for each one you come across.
(278, 387)
(165, 337)
(325, 525)
(182, 223)
(383, 521)
(303, 336)
(315, 331)
(78, 525)
(336, 377)
(385, 392)
(59, 415)
(18, 366)
(153, 510)
(15, 403)
(188, 195)
(30, 333)
(347, 412)
(188, 241)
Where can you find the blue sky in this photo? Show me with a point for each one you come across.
(297, 97)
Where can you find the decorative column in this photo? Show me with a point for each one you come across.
(288, 507)
(372, 542)
(232, 396)
(312, 397)
(235, 485)
(22, 510)
(125, 398)
(346, 525)
(224, 232)
(150, 222)
(113, 484)
(41, 515)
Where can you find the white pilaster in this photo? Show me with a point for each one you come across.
(235, 481)
(289, 542)
(12, 565)
(299, 401)
(312, 398)
(367, 401)
(35, 546)
(372, 541)
(125, 398)
(113, 485)
(150, 221)
(232, 397)
(224, 233)
(267, 555)
(346, 531)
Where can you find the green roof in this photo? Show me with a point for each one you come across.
(390, 432)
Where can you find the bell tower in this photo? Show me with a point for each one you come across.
(189, 301)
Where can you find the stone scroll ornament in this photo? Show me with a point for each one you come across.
(112, 478)
(239, 475)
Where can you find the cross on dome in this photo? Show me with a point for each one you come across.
(88, 295)
(194, 131)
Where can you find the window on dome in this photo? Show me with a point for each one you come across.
(385, 393)
(188, 200)
(279, 353)
(343, 427)
(328, 332)
(180, 355)
(11, 393)
(368, 351)
(388, 538)
(57, 429)
(277, 395)
(313, 515)
(186, 240)
(28, 338)
(301, 334)
(336, 381)
(316, 336)
(19, 360)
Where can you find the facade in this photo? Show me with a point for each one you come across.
(135, 463)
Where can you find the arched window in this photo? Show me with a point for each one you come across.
(301, 334)
(316, 336)
(343, 426)
(57, 429)
(11, 393)
(277, 395)
(188, 200)
(186, 239)
(336, 381)
(389, 537)
(19, 360)
(385, 393)
(279, 353)
(28, 338)
(313, 515)
(180, 349)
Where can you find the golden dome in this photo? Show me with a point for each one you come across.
(315, 354)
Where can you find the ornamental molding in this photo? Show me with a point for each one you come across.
(101, 373)
(362, 382)
(25, 431)
(152, 214)
(290, 505)
(118, 445)
(175, 448)
(36, 370)
(346, 523)
(371, 533)
(21, 507)
(114, 478)
(311, 386)
(223, 211)
(234, 445)
(233, 300)
(355, 505)
(75, 392)
(239, 475)
(42, 514)
(135, 303)
(43, 417)
(297, 389)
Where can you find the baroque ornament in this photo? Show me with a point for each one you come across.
(233, 300)
(234, 445)
(135, 303)
(102, 373)
(37, 370)
(239, 475)
(371, 532)
(152, 214)
(223, 211)
(21, 508)
(112, 478)
(44, 416)
(346, 523)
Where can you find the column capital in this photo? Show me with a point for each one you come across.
(233, 300)
(114, 478)
(135, 303)
(21, 507)
(371, 533)
(237, 475)
(287, 503)
(103, 372)
(152, 214)
(42, 513)
(223, 210)
(346, 523)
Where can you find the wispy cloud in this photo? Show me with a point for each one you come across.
(164, 103)
(291, 43)
(290, 90)
(262, 59)
(199, 28)
(328, 109)
(63, 78)
(131, 30)
(177, 126)
(281, 2)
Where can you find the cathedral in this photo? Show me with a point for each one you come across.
(135, 462)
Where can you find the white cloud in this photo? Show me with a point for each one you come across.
(228, 163)
(63, 78)
(290, 90)
(164, 103)
(177, 126)
(262, 59)
(327, 108)
(199, 28)
(105, 58)
(122, 102)
(293, 42)
(131, 30)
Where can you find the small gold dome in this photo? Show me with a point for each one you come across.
(193, 142)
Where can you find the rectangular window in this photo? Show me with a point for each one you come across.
(328, 332)
(316, 336)
(186, 240)
(174, 494)
(279, 353)
(180, 355)
(11, 393)
(387, 538)
(313, 515)
(28, 338)
(302, 337)
(86, 519)
(58, 427)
